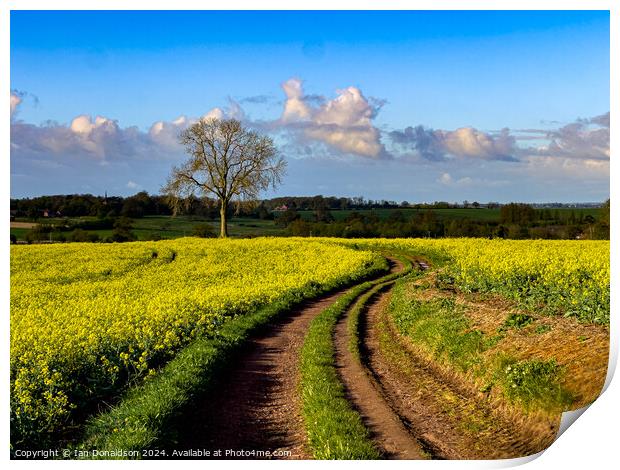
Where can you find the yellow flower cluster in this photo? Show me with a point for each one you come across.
(85, 317)
(570, 277)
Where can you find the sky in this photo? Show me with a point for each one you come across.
(417, 105)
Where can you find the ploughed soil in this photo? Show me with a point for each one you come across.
(23, 224)
(255, 410)
(440, 413)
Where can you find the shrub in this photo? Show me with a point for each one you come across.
(203, 231)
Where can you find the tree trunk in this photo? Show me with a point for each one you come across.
(223, 220)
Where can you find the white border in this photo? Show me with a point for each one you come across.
(591, 443)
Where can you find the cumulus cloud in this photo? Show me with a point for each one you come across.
(465, 142)
(583, 139)
(314, 126)
(102, 139)
(17, 100)
(445, 178)
(166, 133)
(344, 123)
(295, 106)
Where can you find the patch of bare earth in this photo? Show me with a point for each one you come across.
(256, 405)
(448, 418)
(23, 224)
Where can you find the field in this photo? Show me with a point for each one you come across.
(520, 328)
(566, 277)
(87, 318)
(167, 227)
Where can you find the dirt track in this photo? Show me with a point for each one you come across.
(385, 427)
(256, 406)
(411, 409)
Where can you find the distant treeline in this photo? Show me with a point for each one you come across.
(79, 205)
(312, 216)
(516, 221)
(144, 204)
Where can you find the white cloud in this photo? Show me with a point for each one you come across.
(578, 140)
(445, 178)
(16, 100)
(166, 134)
(344, 123)
(132, 185)
(465, 143)
(468, 142)
(295, 107)
(215, 113)
(577, 169)
(103, 139)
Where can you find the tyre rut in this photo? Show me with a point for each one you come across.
(255, 406)
(385, 427)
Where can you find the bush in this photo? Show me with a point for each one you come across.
(80, 235)
(59, 237)
(203, 231)
(122, 230)
(300, 228)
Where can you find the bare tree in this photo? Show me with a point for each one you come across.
(226, 160)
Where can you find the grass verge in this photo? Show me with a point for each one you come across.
(441, 329)
(137, 423)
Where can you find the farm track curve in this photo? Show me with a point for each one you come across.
(256, 405)
(411, 411)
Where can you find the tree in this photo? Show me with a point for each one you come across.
(122, 230)
(321, 210)
(226, 160)
(286, 217)
(601, 228)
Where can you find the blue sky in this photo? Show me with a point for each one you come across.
(394, 105)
